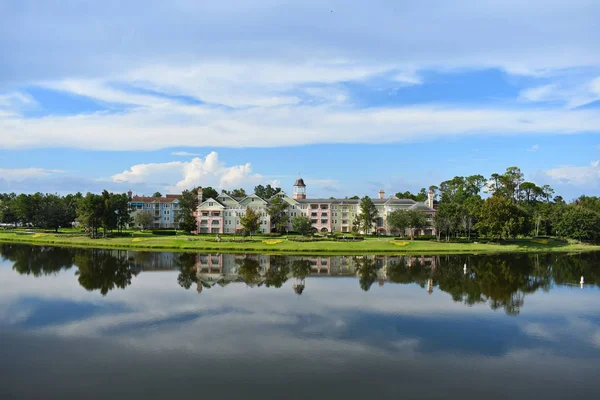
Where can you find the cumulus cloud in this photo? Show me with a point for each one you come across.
(181, 175)
(577, 175)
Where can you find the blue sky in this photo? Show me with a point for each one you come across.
(352, 97)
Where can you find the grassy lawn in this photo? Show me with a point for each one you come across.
(147, 241)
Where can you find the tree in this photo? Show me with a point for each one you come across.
(399, 220)
(368, 214)
(90, 213)
(356, 224)
(188, 203)
(239, 193)
(120, 203)
(25, 207)
(579, 223)
(416, 220)
(421, 196)
(277, 210)
(266, 192)
(8, 214)
(207, 193)
(157, 194)
(144, 219)
(501, 217)
(302, 224)
(354, 198)
(250, 220)
(52, 213)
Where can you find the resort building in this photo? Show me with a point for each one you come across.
(222, 215)
(165, 210)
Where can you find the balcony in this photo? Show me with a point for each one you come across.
(313, 214)
(324, 215)
(324, 222)
(215, 222)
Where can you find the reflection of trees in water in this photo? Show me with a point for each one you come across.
(502, 281)
(186, 263)
(37, 260)
(249, 270)
(300, 270)
(278, 271)
(366, 269)
(100, 270)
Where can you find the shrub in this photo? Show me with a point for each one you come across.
(164, 232)
(306, 239)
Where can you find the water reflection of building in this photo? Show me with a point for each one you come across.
(223, 269)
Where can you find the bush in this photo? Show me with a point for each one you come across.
(272, 234)
(164, 232)
(306, 239)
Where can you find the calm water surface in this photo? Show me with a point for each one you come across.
(121, 324)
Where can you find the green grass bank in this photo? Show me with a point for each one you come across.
(384, 245)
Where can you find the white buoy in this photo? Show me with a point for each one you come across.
(581, 281)
(465, 269)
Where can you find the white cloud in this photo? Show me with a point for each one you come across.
(540, 93)
(534, 148)
(184, 154)
(577, 175)
(286, 54)
(21, 174)
(571, 91)
(402, 35)
(207, 171)
(148, 128)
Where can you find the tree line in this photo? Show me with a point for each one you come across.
(502, 206)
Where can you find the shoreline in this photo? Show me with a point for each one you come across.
(373, 246)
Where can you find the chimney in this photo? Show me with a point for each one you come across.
(430, 197)
(381, 194)
(199, 195)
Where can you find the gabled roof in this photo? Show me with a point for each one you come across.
(223, 194)
(213, 200)
(283, 195)
(420, 207)
(253, 196)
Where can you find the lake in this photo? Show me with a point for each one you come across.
(80, 323)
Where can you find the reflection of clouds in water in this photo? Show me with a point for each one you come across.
(155, 313)
(539, 331)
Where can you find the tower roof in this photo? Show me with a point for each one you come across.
(299, 182)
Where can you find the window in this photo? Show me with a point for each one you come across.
(210, 203)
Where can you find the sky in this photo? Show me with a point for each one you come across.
(352, 97)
